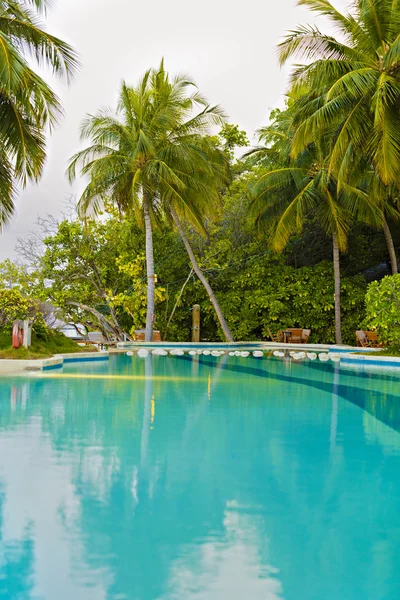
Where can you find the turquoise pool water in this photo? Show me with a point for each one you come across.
(180, 478)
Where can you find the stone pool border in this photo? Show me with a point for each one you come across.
(342, 349)
(349, 355)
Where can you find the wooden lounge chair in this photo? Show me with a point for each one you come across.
(275, 337)
(295, 336)
(361, 339)
(372, 339)
(305, 335)
(140, 335)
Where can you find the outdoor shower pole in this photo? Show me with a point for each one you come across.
(196, 323)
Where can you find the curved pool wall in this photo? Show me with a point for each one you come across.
(13, 366)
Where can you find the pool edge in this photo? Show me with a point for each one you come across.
(17, 366)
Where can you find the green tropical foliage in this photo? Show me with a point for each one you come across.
(383, 309)
(284, 196)
(17, 305)
(91, 266)
(353, 82)
(44, 343)
(333, 154)
(14, 305)
(28, 106)
(348, 89)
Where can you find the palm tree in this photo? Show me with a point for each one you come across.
(152, 158)
(353, 85)
(27, 104)
(285, 196)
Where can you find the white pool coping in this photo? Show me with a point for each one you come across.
(349, 355)
(241, 345)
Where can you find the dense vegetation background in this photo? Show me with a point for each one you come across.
(94, 274)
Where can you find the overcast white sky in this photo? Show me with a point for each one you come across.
(227, 46)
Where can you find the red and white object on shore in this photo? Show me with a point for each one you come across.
(17, 334)
(21, 334)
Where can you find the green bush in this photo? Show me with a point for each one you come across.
(54, 343)
(270, 294)
(383, 309)
(13, 306)
(267, 293)
(40, 328)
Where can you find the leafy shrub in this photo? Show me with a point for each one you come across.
(273, 295)
(55, 343)
(13, 306)
(40, 328)
(267, 293)
(383, 309)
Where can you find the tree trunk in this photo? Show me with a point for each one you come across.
(150, 270)
(107, 328)
(390, 245)
(224, 326)
(178, 299)
(336, 270)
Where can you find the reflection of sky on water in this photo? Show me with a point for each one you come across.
(42, 506)
(183, 488)
(229, 568)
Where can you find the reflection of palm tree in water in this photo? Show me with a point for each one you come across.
(148, 395)
(335, 400)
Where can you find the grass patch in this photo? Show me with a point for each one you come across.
(390, 352)
(395, 352)
(56, 343)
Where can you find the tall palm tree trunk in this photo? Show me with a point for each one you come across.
(336, 270)
(224, 326)
(150, 270)
(390, 245)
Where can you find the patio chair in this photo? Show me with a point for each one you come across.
(275, 337)
(372, 339)
(295, 336)
(305, 335)
(361, 339)
(140, 335)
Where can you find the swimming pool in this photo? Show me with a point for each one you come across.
(200, 478)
